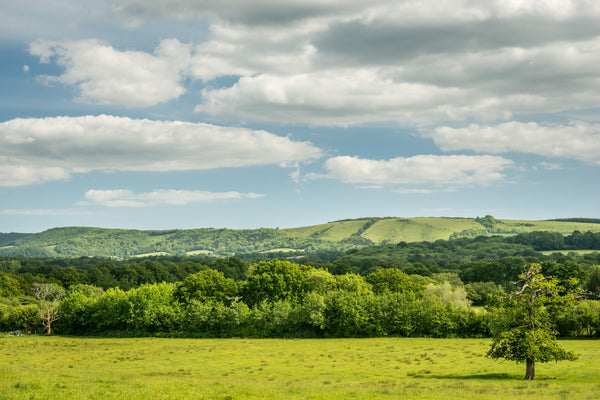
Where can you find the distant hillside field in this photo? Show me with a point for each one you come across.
(337, 235)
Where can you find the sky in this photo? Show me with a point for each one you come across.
(164, 114)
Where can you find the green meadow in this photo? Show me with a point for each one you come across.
(33, 367)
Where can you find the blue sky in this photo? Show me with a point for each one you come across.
(160, 114)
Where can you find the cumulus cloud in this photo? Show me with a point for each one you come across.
(37, 150)
(245, 51)
(257, 12)
(105, 75)
(260, 12)
(577, 140)
(341, 97)
(412, 62)
(490, 83)
(127, 198)
(348, 62)
(454, 170)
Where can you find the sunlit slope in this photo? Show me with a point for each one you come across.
(332, 231)
(418, 229)
(551, 226)
(394, 230)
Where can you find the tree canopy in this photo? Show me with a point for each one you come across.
(525, 333)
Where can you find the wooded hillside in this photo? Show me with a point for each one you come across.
(338, 235)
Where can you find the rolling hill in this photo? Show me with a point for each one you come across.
(337, 235)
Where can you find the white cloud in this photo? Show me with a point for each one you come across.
(256, 12)
(37, 150)
(38, 212)
(411, 62)
(341, 97)
(26, 174)
(105, 75)
(549, 166)
(260, 12)
(577, 140)
(424, 170)
(127, 198)
(245, 51)
(441, 84)
(413, 191)
(346, 62)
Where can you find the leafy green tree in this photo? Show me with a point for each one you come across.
(593, 282)
(19, 317)
(354, 283)
(66, 277)
(9, 286)
(273, 319)
(583, 319)
(320, 281)
(449, 294)
(525, 333)
(311, 312)
(214, 319)
(392, 280)
(275, 280)
(481, 292)
(112, 310)
(152, 307)
(206, 285)
(346, 313)
(77, 308)
(392, 314)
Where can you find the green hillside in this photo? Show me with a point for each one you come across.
(337, 235)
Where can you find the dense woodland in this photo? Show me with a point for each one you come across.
(434, 289)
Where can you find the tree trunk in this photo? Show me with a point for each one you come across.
(48, 321)
(530, 370)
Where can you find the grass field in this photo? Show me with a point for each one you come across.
(99, 368)
(551, 226)
(418, 229)
(578, 252)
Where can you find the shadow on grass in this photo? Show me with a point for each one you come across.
(487, 377)
(483, 377)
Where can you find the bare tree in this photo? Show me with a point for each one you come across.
(48, 296)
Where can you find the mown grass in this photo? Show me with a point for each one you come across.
(99, 368)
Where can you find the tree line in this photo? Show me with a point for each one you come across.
(275, 299)
(482, 264)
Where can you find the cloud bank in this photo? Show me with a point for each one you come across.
(423, 170)
(127, 198)
(352, 62)
(47, 149)
(577, 140)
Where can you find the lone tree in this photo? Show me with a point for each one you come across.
(48, 295)
(525, 333)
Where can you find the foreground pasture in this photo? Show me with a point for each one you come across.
(34, 367)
